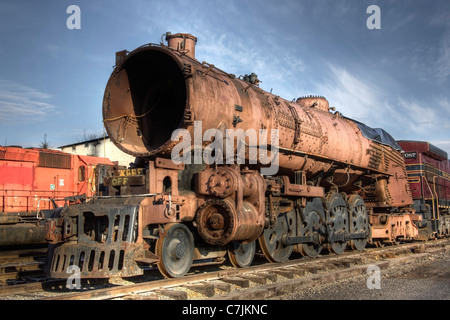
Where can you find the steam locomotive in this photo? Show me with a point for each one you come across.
(33, 182)
(225, 168)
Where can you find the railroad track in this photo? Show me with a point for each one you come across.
(22, 265)
(263, 281)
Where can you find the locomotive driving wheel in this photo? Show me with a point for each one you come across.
(359, 221)
(337, 223)
(175, 250)
(241, 255)
(271, 240)
(312, 226)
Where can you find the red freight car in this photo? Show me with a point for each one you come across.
(428, 170)
(35, 180)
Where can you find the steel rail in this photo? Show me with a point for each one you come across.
(120, 291)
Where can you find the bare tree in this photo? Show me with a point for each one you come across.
(90, 136)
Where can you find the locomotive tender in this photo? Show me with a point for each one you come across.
(338, 181)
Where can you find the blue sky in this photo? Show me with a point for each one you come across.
(52, 79)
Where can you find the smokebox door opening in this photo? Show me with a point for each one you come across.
(146, 103)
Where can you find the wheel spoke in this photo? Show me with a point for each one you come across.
(337, 222)
(311, 226)
(271, 240)
(359, 221)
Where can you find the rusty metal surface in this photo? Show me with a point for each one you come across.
(234, 207)
(141, 118)
(95, 260)
(183, 43)
(394, 227)
(100, 239)
(22, 233)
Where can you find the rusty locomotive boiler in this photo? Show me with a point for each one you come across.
(335, 182)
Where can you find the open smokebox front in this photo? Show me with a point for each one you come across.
(144, 101)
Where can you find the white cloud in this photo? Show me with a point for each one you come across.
(353, 97)
(429, 118)
(424, 120)
(442, 65)
(277, 68)
(18, 103)
(407, 118)
(443, 144)
(423, 117)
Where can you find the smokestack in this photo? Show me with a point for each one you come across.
(182, 42)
